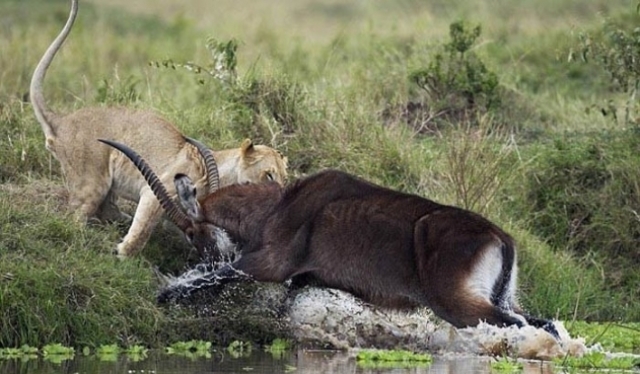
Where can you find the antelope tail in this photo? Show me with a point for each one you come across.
(503, 289)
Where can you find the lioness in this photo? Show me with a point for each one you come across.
(96, 174)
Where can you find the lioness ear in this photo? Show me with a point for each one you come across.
(187, 195)
(246, 147)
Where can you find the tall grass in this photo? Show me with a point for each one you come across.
(329, 84)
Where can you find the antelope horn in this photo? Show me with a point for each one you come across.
(175, 214)
(213, 178)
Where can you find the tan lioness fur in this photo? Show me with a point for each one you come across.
(96, 174)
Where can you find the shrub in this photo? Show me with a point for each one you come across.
(456, 84)
(616, 48)
(267, 109)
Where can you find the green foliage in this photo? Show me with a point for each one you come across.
(222, 66)
(136, 352)
(118, 93)
(59, 281)
(278, 347)
(237, 349)
(616, 48)
(21, 144)
(25, 352)
(598, 360)
(108, 352)
(612, 336)
(568, 173)
(267, 108)
(192, 349)
(108, 349)
(506, 365)
(585, 198)
(374, 358)
(57, 352)
(224, 60)
(560, 285)
(457, 83)
(475, 142)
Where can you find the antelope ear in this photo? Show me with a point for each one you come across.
(187, 195)
(246, 147)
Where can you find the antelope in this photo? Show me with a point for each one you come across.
(389, 248)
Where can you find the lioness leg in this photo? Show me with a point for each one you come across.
(85, 198)
(147, 216)
(109, 211)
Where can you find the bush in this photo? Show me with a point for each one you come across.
(616, 49)
(456, 84)
(585, 196)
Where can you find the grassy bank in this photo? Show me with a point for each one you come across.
(60, 283)
(503, 125)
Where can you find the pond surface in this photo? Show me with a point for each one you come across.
(298, 362)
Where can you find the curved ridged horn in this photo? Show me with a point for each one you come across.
(213, 178)
(176, 215)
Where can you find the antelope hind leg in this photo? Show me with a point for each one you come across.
(544, 324)
(497, 316)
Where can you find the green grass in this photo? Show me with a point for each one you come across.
(506, 365)
(328, 84)
(376, 359)
(598, 360)
(611, 335)
(59, 281)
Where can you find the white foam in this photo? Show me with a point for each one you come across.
(323, 317)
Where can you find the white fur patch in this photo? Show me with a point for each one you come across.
(485, 273)
(510, 297)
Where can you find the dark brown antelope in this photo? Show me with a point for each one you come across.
(389, 248)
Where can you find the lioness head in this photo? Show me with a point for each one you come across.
(260, 163)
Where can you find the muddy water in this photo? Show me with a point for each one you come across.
(300, 362)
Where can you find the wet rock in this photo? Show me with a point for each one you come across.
(326, 318)
(246, 311)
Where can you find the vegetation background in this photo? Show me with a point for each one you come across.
(523, 111)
